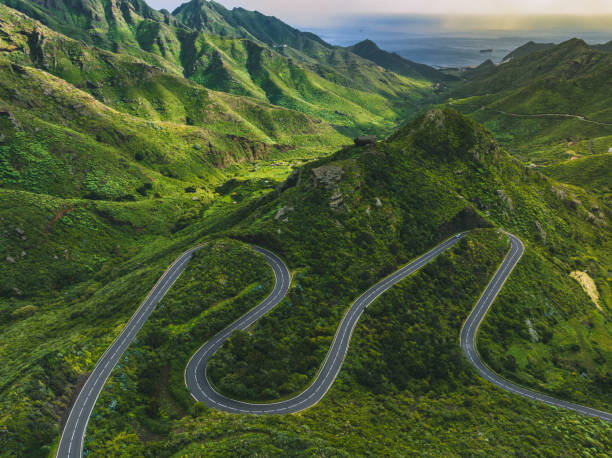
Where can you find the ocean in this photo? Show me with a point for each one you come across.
(456, 41)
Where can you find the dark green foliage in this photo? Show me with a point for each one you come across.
(396, 63)
(112, 163)
(542, 103)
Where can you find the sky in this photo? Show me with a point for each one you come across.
(319, 12)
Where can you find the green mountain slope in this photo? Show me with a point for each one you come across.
(213, 18)
(537, 103)
(593, 173)
(368, 101)
(129, 26)
(528, 48)
(242, 53)
(128, 135)
(396, 63)
(434, 177)
(150, 92)
(345, 222)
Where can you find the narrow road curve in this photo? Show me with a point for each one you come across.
(73, 434)
(71, 442)
(472, 324)
(195, 373)
(544, 115)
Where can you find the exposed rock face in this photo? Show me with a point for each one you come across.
(336, 200)
(282, 212)
(292, 180)
(365, 140)
(588, 285)
(36, 41)
(11, 118)
(327, 175)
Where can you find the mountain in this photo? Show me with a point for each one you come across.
(129, 135)
(214, 19)
(396, 63)
(150, 92)
(591, 172)
(531, 47)
(528, 48)
(247, 54)
(544, 102)
(604, 46)
(347, 221)
(126, 26)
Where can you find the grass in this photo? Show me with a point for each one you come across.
(115, 158)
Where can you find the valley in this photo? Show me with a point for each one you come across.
(130, 135)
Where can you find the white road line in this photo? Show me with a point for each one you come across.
(330, 368)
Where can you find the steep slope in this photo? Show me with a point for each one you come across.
(349, 220)
(341, 224)
(370, 100)
(396, 63)
(237, 52)
(538, 102)
(528, 48)
(126, 26)
(130, 85)
(434, 177)
(593, 173)
(213, 18)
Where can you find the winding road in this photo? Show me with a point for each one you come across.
(71, 442)
(548, 115)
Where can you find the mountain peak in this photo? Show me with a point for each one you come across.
(367, 43)
(396, 63)
(447, 134)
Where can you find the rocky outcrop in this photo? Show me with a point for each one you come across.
(283, 212)
(327, 175)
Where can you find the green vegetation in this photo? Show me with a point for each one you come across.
(128, 135)
(457, 176)
(237, 52)
(567, 79)
(396, 63)
(593, 173)
(422, 396)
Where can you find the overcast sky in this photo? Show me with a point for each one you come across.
(310, 12)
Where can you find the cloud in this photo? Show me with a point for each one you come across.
(313, 13)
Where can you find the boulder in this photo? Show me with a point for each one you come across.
(365, 140)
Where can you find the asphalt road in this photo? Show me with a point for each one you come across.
(195, 373)
(470, 330)
(71, 442)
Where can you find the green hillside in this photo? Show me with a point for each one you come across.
(238, 52)
(538, 103)
(396, 63)
(128, 135)
(214, 19)
(593, 173)
(348, 221)
(528, 48)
